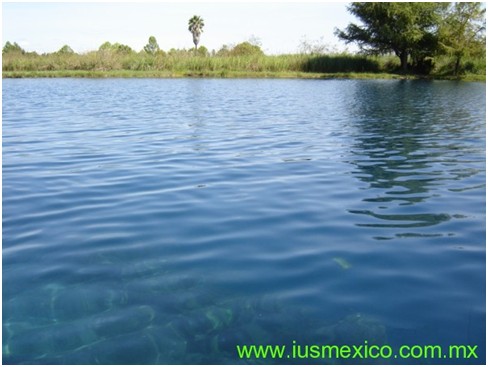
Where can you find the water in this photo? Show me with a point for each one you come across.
(166, 221)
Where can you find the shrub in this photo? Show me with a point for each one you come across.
(246, 49)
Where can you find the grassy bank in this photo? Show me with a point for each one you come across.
(227, 74)
(202, 74)
(100, 64)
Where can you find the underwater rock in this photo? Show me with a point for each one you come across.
(219, 317)
(142, 269)
(122, 321)
(170, 344)
(30, 341)
(164, 283)
(214, 331)
(202, 322)
(24, 346)
(247, 310)
(79, 302)
(227, 340)
(353, 330)
(132, 348)
(358, 328)
(35, 304)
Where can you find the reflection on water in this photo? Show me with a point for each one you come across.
(408, 151)
(167, 221)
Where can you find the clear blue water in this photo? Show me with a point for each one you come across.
(165, 221)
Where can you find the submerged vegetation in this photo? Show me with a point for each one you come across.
(428, 40)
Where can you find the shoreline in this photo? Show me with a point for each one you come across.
(224, 74)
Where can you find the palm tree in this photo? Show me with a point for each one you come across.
(195, 26)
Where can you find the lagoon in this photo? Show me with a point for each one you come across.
(157, 221)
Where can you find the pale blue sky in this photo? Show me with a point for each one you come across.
(45, 27)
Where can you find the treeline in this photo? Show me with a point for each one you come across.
(151, 48)
(243, 57)
(181, 61)
(439, 39)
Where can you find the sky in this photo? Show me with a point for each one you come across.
(84, 26)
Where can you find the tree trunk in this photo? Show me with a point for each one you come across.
(404, 61)
(196, 39)
(457, 65)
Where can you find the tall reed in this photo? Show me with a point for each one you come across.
(186, 62)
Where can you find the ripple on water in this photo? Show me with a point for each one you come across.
(165, 221)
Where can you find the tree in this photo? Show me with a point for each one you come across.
(224, 51)
(195, 26)
(246, 49)
(152, 46)
(106, 46)
(315, 47)
(202, 51)
(65, 50)
(462, 32)
(115, 47)
(405, 28)
(12, 47)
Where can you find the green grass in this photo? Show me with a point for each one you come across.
(194, 74)
(105, 61)
(103, 64)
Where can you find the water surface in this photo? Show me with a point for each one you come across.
(165, 221)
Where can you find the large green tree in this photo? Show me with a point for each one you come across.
(195, 26)
(405, 28)
(462, 32)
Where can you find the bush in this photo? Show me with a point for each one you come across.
(246, 49)
(202, 51)
(341, 63)
(12, 48)
(65, 50)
